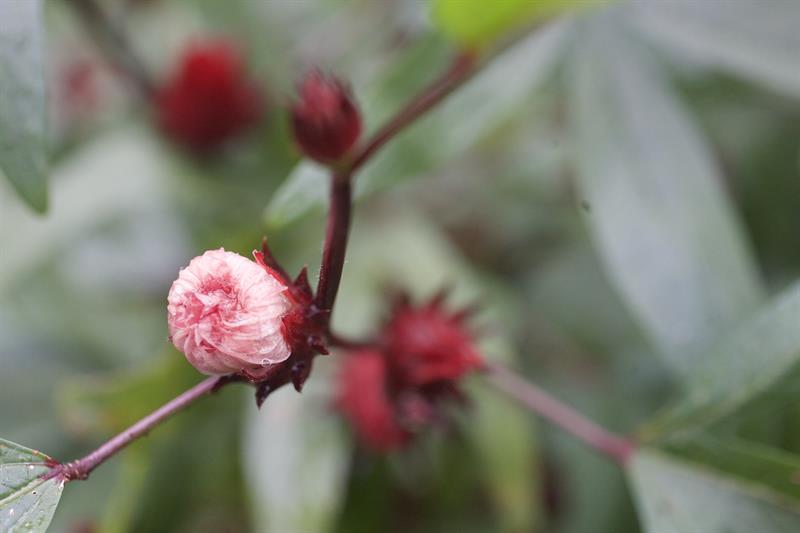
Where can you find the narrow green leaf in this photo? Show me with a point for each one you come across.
(126, 175)
(296, 459)
(476, 23)
(660, 218)
(675, 496)
(755, 39)
(774, 470)
(27, 501)
(737, 369)
(22, 100)
(492, 96)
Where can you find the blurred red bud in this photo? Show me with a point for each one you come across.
(364, 399)
(395, 389)
(325, 119)
(209, 99)
(427, 344)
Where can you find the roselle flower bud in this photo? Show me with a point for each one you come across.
(395, 389)
(226, 313)
(428, 344)
(209, 99)
(325, 120)
(363, 397)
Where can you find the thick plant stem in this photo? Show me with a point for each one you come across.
(113, 40)
(616, 447)
(339, 215)
(336, 234)
(81, 468)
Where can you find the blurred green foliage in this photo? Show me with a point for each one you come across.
(618, 190)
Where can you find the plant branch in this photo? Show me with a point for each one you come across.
(616, 447)
(341, 195)
(337, 231)
(81, 468)
(462, 67)
(336, 234)
(114, 42)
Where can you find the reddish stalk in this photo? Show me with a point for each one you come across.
(461, 69)
(81, 468)
(336, 235)
(114, 41)
(617, 448)
(339, 215)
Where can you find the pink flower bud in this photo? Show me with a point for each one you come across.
(226, 312)
(209, 99)
(325, 119)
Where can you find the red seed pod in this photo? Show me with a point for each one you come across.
(325, 120)
(428, 344)
(364, 399)
(209, 99)
(398, 387)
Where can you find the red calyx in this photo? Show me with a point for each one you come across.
(325, 119)
(209, 99)
(391, 391)
(365, 401)
(304, 328)
(427, 344)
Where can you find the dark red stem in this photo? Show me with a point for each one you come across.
(616, 447)
(338, 229)
(81, 468)
(339, 215)
(347, 343)
(336, 234)
(460, 70)
(114, 41)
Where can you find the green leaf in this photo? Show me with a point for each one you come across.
(774, 470)
(739, 368)
(674, 496)
(476, 23)
(296, 459)
(657, 212)
(755, 39)
(494, 95)
(27, 501)
(22, 101)
(127, 176)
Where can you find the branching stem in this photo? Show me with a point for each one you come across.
(336, 235)
(338, 227)
(341, 194)
(114, 42)
(81, 468)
